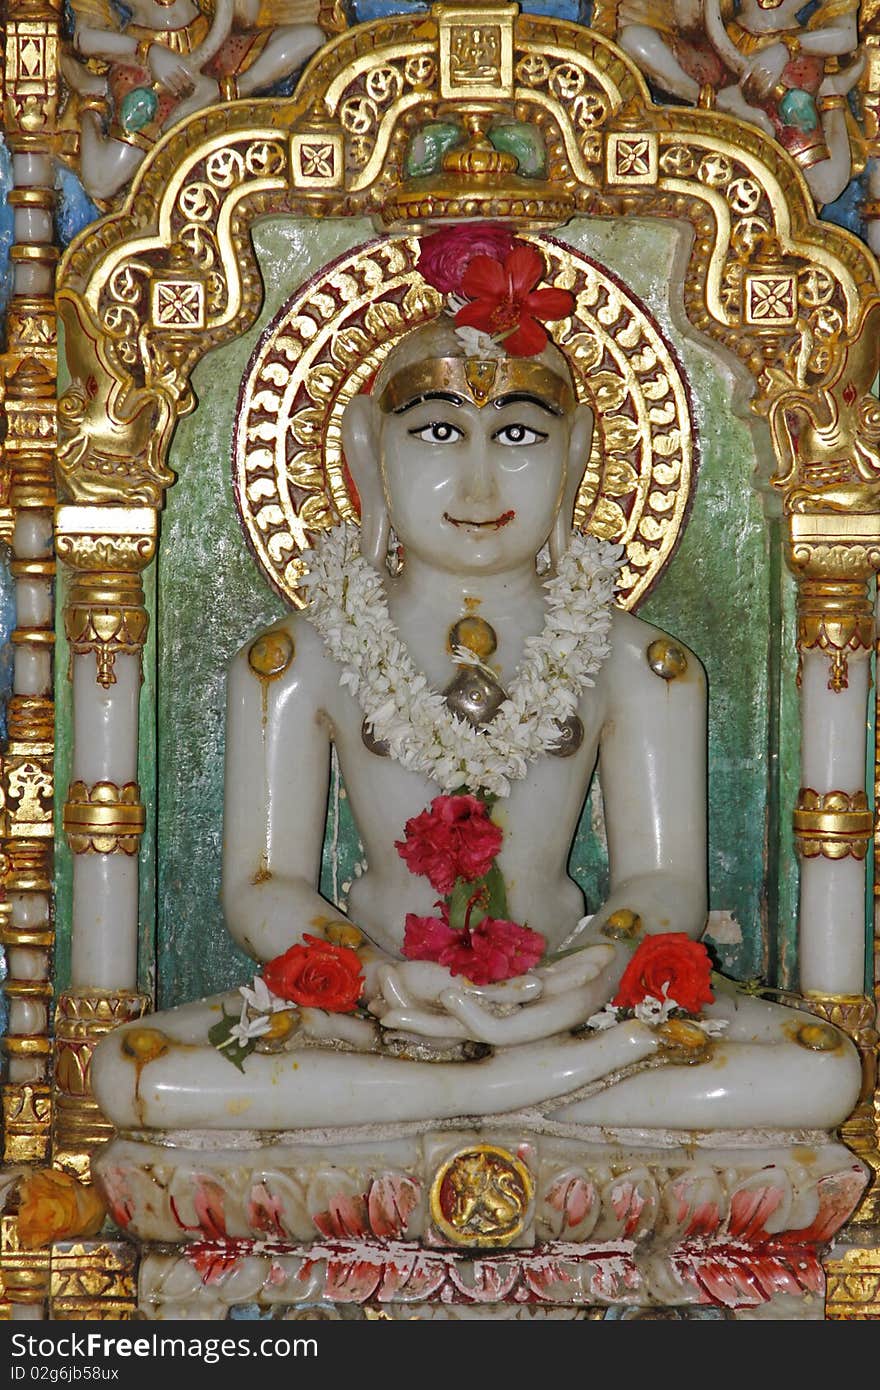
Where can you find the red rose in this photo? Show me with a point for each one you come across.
(453, 839)
(672, 960)
(445, 255)
(492, 951)
(317, 975)
(506, 302)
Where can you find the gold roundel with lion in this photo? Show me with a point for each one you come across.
(327, 344)
(482, 1196)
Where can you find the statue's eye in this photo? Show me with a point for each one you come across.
(518, 434)
(438, 432)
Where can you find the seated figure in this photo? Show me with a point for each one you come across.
(470, 450)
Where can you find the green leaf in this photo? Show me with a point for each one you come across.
(494, 881)
(219, 1036)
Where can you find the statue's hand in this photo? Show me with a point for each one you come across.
(421, 997)
(764, 71)
(170, 71)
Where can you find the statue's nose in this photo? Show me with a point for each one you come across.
(479, 483)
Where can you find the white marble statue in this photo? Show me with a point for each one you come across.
(474, 465)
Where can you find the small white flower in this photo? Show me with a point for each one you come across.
(260, 998)
(713, 1027)
(652, 1010)
(605, 1018)
(476, 343)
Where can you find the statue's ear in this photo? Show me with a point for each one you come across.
(579, 444)
(360, 440)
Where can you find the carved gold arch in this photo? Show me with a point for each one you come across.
(148, 291)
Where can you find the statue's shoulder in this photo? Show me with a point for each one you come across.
(289, 650)
(645, 655)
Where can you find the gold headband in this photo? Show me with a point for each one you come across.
(479, 379)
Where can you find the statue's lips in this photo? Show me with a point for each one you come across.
(497, 522)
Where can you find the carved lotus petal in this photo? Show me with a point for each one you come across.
(693, 1205)
(337, 1205)
(569, 1208)
(410, 1280)
(484, 1281)
(629, 1206)
(390, 1203)
(276, 1206)
(837, 1195)
(760, 1204)
(198, 1204)
(351, 1280)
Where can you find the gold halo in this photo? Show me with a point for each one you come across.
(327, 343)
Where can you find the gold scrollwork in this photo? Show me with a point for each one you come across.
(833, 824)
(30, 789)
(81, 1020)
(107, 547)
(104, 818)
(852, 1285)
(93, 1280)
(27, 1121)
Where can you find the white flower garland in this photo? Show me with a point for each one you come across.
(348, 607)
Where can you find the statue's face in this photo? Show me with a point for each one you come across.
(475, 488)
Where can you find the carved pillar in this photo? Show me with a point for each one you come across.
(834, 557)
(105, 621)
(29, 375)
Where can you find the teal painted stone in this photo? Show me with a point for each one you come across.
(525, 143)
(798, 108)
(138, 108)
(428, 146)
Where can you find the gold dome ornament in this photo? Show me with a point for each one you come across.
(475, 695)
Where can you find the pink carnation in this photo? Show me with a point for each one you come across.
(492, 951)
(453, 839)
(426, 938)
(445, 255)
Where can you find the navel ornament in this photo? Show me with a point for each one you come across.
(475, 695)
(571, 736)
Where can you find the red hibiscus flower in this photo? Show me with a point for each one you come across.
(507, 304)
(493, 950)
(426, 938)
(671, 960)
(453, 839)
(445, 255)
(317, 975)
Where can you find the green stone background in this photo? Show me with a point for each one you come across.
(724, 591)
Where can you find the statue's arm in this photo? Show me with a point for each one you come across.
(104, 43)
(276, 779)
(653, 773)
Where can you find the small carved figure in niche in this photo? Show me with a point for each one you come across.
(136, 70)
(764, 63)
